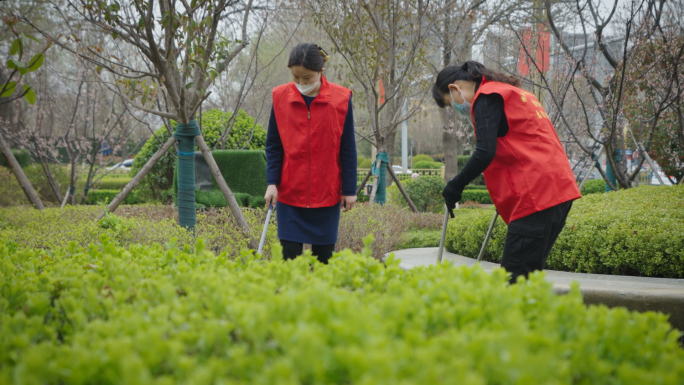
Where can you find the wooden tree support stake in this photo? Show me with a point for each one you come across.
(138, 177)
(21, 176)
(363, 184)
(230, 198)
(401, 188)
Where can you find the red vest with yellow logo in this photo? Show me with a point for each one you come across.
(310, 175)
(530, 171)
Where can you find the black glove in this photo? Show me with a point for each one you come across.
(452, 194)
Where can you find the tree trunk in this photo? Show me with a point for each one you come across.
(449, 144)
(19, 173)
(137, 178)
(230, 198)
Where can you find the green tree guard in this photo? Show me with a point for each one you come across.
(380, 195)
(185, 135)
(617, 156)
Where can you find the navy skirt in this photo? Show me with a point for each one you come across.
(313, 226)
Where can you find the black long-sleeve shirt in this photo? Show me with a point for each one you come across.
(490, 124)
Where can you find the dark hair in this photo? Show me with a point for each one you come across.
(471, 71)
(309, 56)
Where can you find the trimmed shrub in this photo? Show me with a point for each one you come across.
(257, 202)
(420, 238)
(594, 186)
(476, 195)
(629, 232)
(366, 163)
(96, 197)
(427, 164)
(23, 157)
(244, 172)
(422, 158)
(104, 314)
(425, 192)
(215, 198)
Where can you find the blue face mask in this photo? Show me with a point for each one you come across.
(463, 109)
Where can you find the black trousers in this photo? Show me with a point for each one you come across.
(529, 240)
(292, 249)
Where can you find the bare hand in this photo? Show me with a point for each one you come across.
(348, 202)
(271, 195)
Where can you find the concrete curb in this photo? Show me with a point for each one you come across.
(665, 295)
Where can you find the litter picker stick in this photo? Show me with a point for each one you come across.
(489, 234)
(263, 233)
(444, 227)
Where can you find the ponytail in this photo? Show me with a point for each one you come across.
(470, 71)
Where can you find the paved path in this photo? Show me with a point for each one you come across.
(635, 293)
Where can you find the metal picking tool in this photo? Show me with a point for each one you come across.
(263, 233)
(444, 227)
(489, 234)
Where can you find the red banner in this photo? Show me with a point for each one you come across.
(535, 44)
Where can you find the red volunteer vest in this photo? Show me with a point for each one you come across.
(311, 175)
(530, 171)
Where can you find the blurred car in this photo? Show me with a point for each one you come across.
(399, 170)
(656, 182)
(125, 165)
(579, 175)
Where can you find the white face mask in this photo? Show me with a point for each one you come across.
(307, 88)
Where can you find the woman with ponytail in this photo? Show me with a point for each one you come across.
(311, 155)
(517, 149)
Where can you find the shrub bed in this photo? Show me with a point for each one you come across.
(104, 314)
(138, 224)
(147, 224)
(629, 232)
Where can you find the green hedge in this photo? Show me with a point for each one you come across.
(243, 170)
(422, 158)
(215, 198)
(420, 238)
(366, 163)
(23, 158)
(423, 164)
(95, 197)
(629, 232)
(594, 186)
(476, 187)
(476, 195)
(158, 315)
